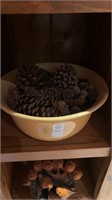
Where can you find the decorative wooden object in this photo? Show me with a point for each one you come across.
(61, 179)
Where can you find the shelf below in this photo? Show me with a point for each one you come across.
(84, 187)
(31, 7)
(92, 141)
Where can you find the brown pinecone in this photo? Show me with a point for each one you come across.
(83, 84)
(63, 108)
(79, 101)
(28, 105)
(51, 94)
(66, 77)
(75, 109)
(13, 97)
(27, 75)
(34, 107)
(33, 76)
(68, 93)
(47, 112)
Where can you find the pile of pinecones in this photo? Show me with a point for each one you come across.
(52, 179)
(39, 92)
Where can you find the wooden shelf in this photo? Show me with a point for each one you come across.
(33, 7)
(92, 141)
(84, 186)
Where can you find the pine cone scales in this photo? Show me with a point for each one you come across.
(32, 76)
(27, 75)
(78, 101)
(41, 93)
(34, 108)
(63, 108)
(65, 77)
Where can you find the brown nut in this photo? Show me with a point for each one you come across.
(70, 166)
(32, 175)
(47, 165)
(77, 174)
(57, 164)
(37, 166)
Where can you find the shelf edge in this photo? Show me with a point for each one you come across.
(42, 7)
(59, 154)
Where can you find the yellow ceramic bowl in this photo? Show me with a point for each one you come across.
(55, 128)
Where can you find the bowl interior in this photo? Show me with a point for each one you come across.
(93, 77)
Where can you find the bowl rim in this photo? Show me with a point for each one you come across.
(89, 111)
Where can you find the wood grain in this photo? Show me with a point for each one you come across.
(106, 188)
(92, 141)
(6, 179)
(25, 7)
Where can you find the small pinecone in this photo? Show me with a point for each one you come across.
(63, 108)
(68, 94)
(75, 109)
(83, 84)
(47, 112)
(28, 105)
(66, 77)
(27, 75)
(34, 107)
(29, 91)
(53, 94)
(13, 97)
(79, 101)
(33, 76)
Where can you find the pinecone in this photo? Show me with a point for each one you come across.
(33, 76)
(62, 107)
(13, 97)
(66, 77)
(53, 94)
(75, 109)
(79, 101)
(34, 107)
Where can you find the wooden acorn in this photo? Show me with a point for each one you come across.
(57, 164)
(32, 174)
(77, 174)
(37, 166)
(47, 165)
(70, 166)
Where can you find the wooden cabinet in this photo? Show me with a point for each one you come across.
(76, 32)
